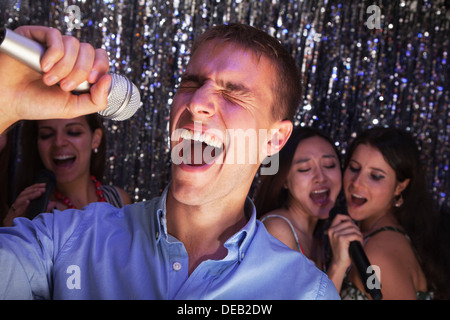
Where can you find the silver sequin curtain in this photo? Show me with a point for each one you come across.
(356, 74)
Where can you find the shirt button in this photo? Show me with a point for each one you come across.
(157, 235)
(242, 256)
(176, 266)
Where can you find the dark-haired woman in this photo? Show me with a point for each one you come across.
(385, 191)
(302, 193)
(74, 150)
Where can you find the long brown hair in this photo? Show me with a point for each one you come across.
(417, 215)
(5, 160)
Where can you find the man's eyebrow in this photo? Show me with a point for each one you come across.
(235, 87)
(190, 77)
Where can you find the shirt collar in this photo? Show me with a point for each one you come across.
(160, 217)
(239, 240)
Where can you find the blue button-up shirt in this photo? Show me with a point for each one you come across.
(103, 252)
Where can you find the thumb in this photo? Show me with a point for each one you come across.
(94, 101)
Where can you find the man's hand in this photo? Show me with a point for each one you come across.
(26, 94)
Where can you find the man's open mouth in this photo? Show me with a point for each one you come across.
(196, 148)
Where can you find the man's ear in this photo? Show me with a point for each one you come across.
(278, 136)
(97, 138)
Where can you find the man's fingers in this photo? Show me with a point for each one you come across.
(64, 67)
(81, 69)
(65, 61)
(51, 39)
(94, 101)
(100, 66)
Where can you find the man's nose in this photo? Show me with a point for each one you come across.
(202, 104)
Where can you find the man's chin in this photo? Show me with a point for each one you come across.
(191, 193)
(194, 176)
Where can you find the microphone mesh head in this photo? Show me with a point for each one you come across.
(123, 99)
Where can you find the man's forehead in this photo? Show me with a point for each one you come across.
(215, 47)
(227, 58)
(233, 67)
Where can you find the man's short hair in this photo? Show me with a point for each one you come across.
(287, 86)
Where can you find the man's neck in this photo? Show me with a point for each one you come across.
(205, 228)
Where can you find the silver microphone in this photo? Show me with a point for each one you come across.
(123, 99)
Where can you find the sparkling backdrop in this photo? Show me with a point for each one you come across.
(355, 76)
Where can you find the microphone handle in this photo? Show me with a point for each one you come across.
(359, 258)
(39, 205)
(29, 52)
(361, 262)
